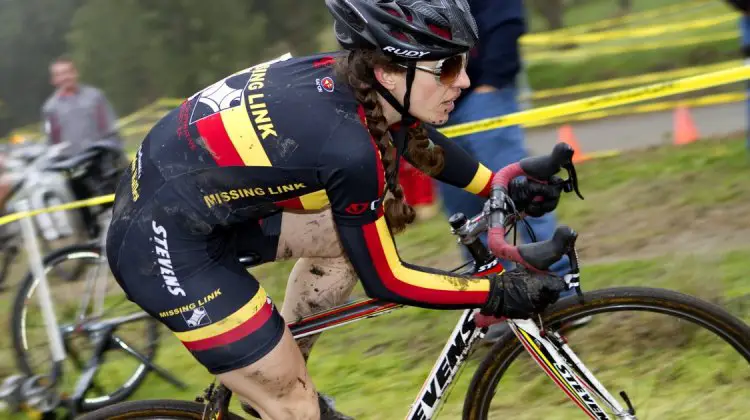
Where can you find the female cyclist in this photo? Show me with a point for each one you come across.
(292, 159)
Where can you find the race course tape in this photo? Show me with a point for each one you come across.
(538, 115)
(640, 46)
(629, 33)
(610, 100)
(633, 80)
(62, 207)
(721, 98)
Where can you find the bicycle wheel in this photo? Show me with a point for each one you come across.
(120, 374)
(670, 347)
(151, 409)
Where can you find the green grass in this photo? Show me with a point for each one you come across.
(651, 198)
(591, 11)
(547, 75)
(374, 370)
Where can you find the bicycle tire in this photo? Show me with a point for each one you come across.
(151, 409)
(707, 315)
(21, 357)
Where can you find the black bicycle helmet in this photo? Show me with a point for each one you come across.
(405, 29)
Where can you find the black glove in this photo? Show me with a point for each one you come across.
(742, 6)
(520, 293)
(534, 198)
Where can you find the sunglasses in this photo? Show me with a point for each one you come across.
(447, 70)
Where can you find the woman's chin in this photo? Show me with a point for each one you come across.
(441, 118)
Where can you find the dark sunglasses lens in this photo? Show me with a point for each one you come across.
(451, 69)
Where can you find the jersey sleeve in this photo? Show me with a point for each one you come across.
(461, 169)
(354, 179)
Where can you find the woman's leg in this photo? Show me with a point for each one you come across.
(195, 286)
(322, 276)
(278, 385)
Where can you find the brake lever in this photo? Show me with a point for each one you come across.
(571, 184)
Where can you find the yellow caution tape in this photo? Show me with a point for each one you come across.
(67, 206)
(610, 100)
(639, 16)
(653, 30)
(633, 80)
(170, 102)
(144, 112)
(601, 154)
(641, 46)
(137, 130)
(709, 100)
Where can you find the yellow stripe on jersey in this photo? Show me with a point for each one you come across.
(239, 317)
(480, 180)
(242, 133)
(419, 278)
(315, 200)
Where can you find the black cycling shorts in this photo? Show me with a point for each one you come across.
(192, 281)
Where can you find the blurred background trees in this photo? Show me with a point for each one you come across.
(140, 50)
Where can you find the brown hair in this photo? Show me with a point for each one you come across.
(62, 59)
(357, 70)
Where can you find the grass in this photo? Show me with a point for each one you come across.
(374, 371)
(587, 12)
(555, 73)
(547, 75)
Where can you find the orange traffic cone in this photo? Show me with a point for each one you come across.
(683, 126)
(565, 134)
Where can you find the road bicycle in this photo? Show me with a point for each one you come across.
(544, 337)
(93, 325)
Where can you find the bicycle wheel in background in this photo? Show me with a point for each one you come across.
(120, 374)
(676, 357)
(152, 409)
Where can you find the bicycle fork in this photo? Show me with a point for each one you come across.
(550, 351)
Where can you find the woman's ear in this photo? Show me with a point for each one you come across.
(385, 77)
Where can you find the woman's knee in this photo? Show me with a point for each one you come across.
(278, 385)
(317, 284)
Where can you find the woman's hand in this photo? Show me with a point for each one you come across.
(533, 197)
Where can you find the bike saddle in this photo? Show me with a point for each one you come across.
(71, 162)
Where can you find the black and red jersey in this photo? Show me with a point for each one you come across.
(288, 134)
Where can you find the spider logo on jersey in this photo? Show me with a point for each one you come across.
(224, 94)
(198, 317)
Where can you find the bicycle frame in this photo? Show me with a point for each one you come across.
(546, 347)
(453, 355)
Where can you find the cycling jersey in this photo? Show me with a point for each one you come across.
(280, 135)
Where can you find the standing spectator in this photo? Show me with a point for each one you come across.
(5, 185)
(494, 70)
(743, 6)
(77, 115)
